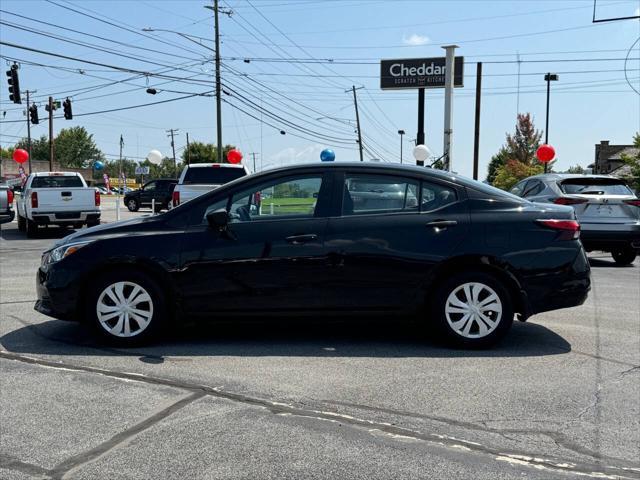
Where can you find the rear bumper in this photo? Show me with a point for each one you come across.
(7, 216)
(601, 239)
(65, 218)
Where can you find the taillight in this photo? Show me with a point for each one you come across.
(569, 201)
(34, 199)
(635, 203)
(175, 197)
(569, 229)
(97, 198)
(10, 196)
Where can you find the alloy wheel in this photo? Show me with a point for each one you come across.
(473, 310)
(124, 309)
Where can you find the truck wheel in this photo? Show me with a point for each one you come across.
(32, 228)
(132, 205)
(472, 309)
(22, 224)
(624, 256)
(93, 223)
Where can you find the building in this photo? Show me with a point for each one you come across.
(608, 158)
(9, 169)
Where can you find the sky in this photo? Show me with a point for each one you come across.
(290, 65)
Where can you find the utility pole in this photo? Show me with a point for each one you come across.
(253, 154)
(448, 103)
(188, 151)
(216, 10)
(171, 132)
(120, 182)
(549, 77)
(401, 133)
(476, 137)
(355, 102)
(28, 130)
(51, 134)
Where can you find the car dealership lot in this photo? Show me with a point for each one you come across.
(319, 398)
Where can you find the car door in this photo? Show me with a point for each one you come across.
(147, 192)
(380, 258)
(272, 256)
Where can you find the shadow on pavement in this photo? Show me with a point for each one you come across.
(313, 338)
(44, 233)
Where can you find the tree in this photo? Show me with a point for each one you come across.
(75, 148)
(7, 152)
(39, 147)
(633, 161)
(514, 171)
(516, 159)
(576, 169)
(200, 152)
(497, 161)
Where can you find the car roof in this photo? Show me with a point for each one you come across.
(56, 174)
(226, 165)
(565, 176)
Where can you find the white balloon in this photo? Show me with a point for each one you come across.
(155, 157)
(421, 153)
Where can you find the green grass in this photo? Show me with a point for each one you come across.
(288, 205)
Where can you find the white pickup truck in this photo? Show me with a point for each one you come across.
(199, 178)
(57, 198)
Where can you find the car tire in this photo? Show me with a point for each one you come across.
(158, 207)
(624, 256)
(22, 224)
(472, 309)
(126, 308)
(31, 228)
(93, 224)
(133, 205)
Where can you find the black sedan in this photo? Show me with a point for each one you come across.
(465, 257)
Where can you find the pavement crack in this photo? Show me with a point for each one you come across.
(12, 463)
(77, 461)
(17, 301)
(584, 468)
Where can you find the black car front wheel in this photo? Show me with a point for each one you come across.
(624, 256)
(472, 309)
(132, 205)
(126, 308)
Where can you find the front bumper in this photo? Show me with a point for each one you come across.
(56, 299)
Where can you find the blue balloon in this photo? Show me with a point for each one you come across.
(327, 155)
(98, 165)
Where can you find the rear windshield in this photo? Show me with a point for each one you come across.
(61, 181)
(595, 186)
(212, 175)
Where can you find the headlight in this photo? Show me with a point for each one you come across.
(63, 251)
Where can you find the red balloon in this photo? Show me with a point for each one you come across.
(20, 155)
(545, 153)
(234, 156)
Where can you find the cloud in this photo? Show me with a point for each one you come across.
(415, 39)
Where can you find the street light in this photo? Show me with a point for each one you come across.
(401, 133)
(549, 77)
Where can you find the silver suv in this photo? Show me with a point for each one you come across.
(607, 209)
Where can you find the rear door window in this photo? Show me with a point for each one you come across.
(534, 187)
(435, 196)
(212, 175)
(57, 181)
(366, 194)
(595, 186)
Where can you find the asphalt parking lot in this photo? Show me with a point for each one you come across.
(319, 398)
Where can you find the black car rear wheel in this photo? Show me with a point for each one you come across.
(472, 309)
(132, 205)
(624, 256)
(126, 308)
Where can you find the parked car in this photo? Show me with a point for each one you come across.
(199, 178)
(466, 258)
(6, 204)
(57, 198)
(159, 190)
(102, 190)
(607, 209)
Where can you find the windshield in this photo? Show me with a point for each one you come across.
(59, 181)
(595, 186)
(212, 175)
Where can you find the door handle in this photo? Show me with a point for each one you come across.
(442, 223)
(300, 239)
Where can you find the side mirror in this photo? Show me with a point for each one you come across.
(218, 219)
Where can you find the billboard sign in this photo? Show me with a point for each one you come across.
(418, 73)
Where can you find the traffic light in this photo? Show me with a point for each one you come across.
(14, 84)
(33, 114)
(66, 105)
